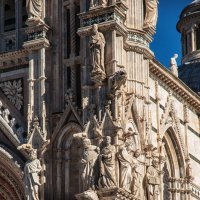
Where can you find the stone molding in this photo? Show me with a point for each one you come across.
(175, 84)
(14, 58)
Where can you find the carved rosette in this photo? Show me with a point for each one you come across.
(14, 92)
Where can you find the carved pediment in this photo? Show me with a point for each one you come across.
(170, 119)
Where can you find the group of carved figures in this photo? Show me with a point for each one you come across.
(99, 168)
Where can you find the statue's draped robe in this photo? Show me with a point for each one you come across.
(88, 167)
(107, 167)
(126, 163)
(152, 183)
(31, 178)
(97, 45)
(34, 8)
(151, 13)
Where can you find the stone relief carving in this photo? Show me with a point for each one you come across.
(95, 3)
(153, 181)
(151, 13)
(13, 91)
(11, 121)
(34, 9)
(97, 46)
(107, 165)
(32, 172)
(173, 65)
(88, 165)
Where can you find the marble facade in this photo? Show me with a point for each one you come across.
(86, 110)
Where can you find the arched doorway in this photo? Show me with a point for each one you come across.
(66, 163)
(174, 167)
(11, 178)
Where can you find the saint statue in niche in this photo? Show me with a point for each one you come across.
(34, 9)
(151, 13)
(107, 165)
(153, 181)
(88, 165)
(97, 46)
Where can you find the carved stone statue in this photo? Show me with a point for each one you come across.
(151, 13)
(89, 195)
(97, 45)
(6, 114)
(173, 65)
(153, 181)
(107, 165)
(137, 181)
(31, 176)
(88, 165)
(34, 9)
(125, 156)
(95, 3)
(117, 81)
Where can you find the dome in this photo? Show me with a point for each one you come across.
(189, 73)
(189, 27)
(191, 9)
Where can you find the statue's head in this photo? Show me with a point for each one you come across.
(108, 140)
(175, 55)
(33, 154)
(155, 163)
(137, 153)
(95, 28)
(86, 142)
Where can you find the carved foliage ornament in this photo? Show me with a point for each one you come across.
(13, 91)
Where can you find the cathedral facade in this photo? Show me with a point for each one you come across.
(86, 110)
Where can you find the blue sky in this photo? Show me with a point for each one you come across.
(167, 38)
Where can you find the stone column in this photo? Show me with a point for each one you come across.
(192, 39)
(31, 81)
(41, 83)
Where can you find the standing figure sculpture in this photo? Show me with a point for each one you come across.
(88, 165)
(97, 46)
(151, 13)
(107, 165)
(32, 170)
(173, 65)
(34, 9)
(95, 3)
(137, 181)
(126, 161)
(153, 181)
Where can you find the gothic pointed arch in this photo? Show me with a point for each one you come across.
(65, 162)
(11, 176)
(174, 166)
(169, 119)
